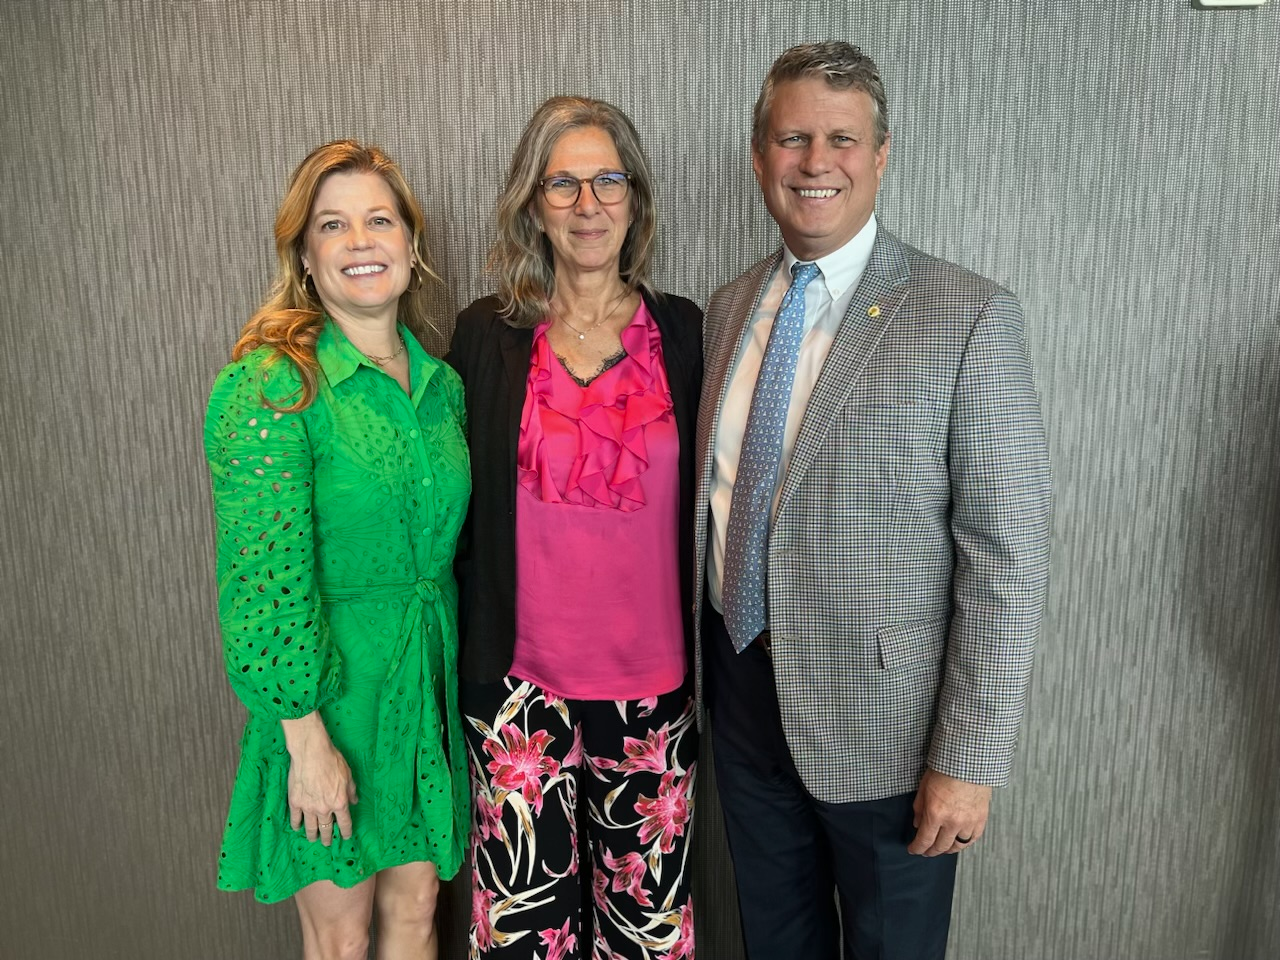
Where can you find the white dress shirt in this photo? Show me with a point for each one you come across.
(825, 301)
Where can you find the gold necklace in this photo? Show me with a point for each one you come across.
(383, 361)
(582, 334)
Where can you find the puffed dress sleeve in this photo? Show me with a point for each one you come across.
(274, 640)
(457, 401)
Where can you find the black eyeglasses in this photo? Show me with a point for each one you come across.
(562, 191)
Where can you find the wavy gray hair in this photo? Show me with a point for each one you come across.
(522, 258)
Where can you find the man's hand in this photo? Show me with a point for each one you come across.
(950, 816)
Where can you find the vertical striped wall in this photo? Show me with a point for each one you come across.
(1114, 163)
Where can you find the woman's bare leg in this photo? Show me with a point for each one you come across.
(335, 921)
(405, 900)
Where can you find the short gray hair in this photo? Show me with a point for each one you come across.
(841, 64)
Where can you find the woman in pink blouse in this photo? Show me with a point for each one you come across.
(575, 564)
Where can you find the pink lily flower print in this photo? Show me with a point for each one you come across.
(520, 765)
(682, 949)
(488, 817)
(628, 874)
(481, 902)
(574, 756)
(647, 754)
(599, 883)
(558, 942)
(666, 814)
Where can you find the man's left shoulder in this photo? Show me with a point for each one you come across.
(933, 274)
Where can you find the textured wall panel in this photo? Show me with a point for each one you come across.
(1115, 164)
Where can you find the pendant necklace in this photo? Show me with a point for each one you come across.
(582, 334)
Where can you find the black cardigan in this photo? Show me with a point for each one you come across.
(493, 360)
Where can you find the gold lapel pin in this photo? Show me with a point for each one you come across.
(873, 310)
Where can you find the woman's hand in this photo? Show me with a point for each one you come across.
(320, 783)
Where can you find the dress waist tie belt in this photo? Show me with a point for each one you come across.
(408, 706)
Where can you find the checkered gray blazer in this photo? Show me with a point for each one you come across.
(909, 553)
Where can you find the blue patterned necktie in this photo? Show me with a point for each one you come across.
(747, 539)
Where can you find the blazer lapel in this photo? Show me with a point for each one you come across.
(515, 344)
(876, 300)
(719, 356)
(672, 356)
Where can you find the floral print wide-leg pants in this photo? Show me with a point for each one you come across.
(546, 770)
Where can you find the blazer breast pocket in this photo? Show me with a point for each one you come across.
(889, 416)
(886, 441)
(896, 418)
(916, 641)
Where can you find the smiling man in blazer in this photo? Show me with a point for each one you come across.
(872, 518)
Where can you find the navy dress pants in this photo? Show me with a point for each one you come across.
(796, 857)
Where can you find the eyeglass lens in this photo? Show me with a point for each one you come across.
(564, 191)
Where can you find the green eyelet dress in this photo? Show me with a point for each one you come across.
(336, 529)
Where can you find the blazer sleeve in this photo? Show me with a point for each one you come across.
(460, 358)
(1000, 512)
(459, 352)
(689, 320)
(274, 640)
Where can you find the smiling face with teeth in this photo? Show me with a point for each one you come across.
(818, 164)
(357, 248)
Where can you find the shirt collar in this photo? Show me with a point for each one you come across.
(841, 268)
(339, 358)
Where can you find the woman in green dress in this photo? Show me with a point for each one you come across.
(340, 481)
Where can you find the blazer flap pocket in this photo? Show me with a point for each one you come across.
(905, 404)
(904, 643)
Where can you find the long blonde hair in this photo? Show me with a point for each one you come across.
(291, 318)
(521, 257)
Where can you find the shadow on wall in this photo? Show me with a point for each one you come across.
(1232, 518)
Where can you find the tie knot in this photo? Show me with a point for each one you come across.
(802, 273)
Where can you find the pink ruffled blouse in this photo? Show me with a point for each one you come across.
(597, 520)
